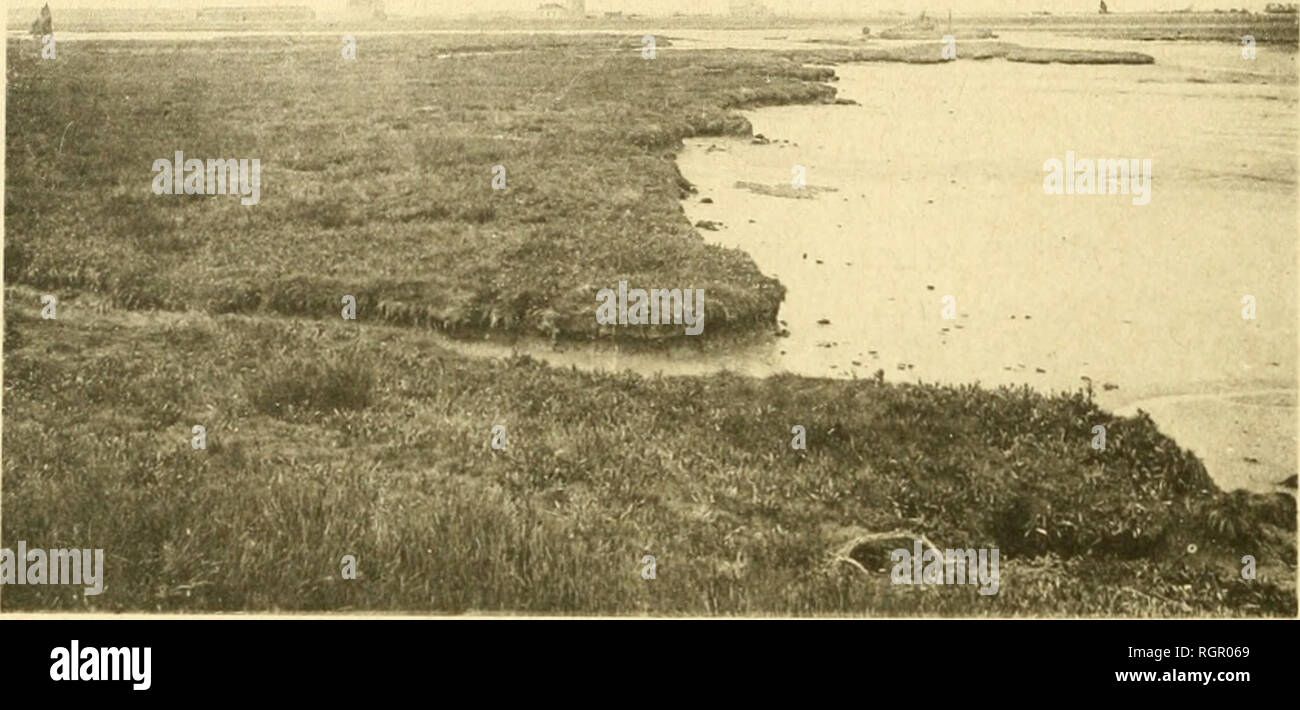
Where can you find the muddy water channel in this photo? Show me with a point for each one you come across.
(927, 200)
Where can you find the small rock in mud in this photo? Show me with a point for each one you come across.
(709, 225)
(1108, 386)
(823, 321)
(707, 201)
(1040, 370)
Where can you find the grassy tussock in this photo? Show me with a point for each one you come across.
(311, 385)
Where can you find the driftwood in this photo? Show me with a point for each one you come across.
(844, 552)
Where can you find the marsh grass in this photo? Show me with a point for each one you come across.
(387, 194)
(312, 385)
(325, 439)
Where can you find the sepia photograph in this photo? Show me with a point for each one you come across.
(755, 309)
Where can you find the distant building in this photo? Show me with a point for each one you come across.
(409, 7)
(354, 10)
(575, 10)
(749, 8)
(366, 8)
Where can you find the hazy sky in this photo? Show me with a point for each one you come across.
(716, 6)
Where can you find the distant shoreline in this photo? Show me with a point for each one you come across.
(1204, 26)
